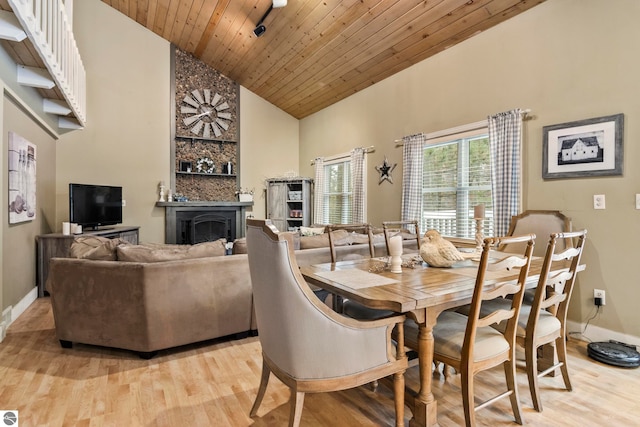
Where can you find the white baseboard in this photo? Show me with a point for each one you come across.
(5, 321)
(10, 313)
(596, 334)
(24, 303)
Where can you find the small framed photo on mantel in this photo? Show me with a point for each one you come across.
(185, 166)
(584, 148)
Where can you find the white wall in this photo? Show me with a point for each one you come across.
(564, 59)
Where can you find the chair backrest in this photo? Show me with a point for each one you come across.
(542, 223)
(485, 291)
(298, 333)
(554, 290)
(392, 228)
(362, 231)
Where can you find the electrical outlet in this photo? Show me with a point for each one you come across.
(599, 295)
(598, 201)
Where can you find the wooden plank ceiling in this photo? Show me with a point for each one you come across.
(315, 53)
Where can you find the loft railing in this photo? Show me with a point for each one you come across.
(47, 26)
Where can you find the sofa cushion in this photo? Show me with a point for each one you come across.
(95, 248)
(322, 240)
(158, 252)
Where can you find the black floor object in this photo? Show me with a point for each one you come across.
(614, 353)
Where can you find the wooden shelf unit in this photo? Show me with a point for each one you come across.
(289, 202)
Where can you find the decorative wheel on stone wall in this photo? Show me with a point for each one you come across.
(205, 114)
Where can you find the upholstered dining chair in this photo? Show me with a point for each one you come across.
(392, 228)
(468, 343)
(541, 223)
(305, 344)
(543, 321)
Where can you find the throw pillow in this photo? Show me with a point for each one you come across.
(95, 248)
(311, 231)
(239, 246)
(158, 253)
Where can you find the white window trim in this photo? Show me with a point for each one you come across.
(339, 158)
(459, 131)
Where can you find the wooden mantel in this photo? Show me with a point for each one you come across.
(172, 210)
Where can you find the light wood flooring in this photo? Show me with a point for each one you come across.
(214, 384)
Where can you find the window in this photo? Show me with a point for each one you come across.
(337, 192)
(456, 178)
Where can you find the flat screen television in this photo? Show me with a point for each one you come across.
(92, 206)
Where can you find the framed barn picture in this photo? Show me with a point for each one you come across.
(584, 148)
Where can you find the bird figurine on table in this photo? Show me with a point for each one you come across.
(438, 252)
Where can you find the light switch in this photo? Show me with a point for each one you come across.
(637, 201)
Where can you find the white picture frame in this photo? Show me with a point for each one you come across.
(22, 179)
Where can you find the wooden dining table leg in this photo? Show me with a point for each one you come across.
(425, 411)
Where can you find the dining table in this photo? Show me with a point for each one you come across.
(421, 292)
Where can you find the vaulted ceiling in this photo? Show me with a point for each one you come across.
(315, 53)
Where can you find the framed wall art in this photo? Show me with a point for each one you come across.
(584, 148)
(22, 179)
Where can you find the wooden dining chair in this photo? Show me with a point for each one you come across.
(408, 230)
(358, 234)
(543, 321)
(305, 344)
(468, 343)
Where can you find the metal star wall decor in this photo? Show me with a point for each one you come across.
(385, 170)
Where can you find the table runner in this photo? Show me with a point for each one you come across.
(356, 279)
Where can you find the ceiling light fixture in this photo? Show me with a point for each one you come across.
(260, 28)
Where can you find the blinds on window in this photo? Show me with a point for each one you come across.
(337, 192)
(456, 178)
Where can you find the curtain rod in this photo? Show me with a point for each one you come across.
(456, 129)
(367, 150)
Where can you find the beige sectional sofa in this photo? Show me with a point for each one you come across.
(146, 298)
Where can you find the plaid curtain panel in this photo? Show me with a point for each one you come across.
(318, 202)
(505, 141)
(412, 165)
(357, 177)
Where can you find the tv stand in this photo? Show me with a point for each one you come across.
(97, 228)
(57, 245)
